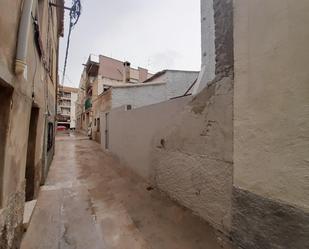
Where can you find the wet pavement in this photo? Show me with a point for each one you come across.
(90, 201)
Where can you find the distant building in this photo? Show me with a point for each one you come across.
(100, 74)
(178, 82)
(107, 83)
(66, 107)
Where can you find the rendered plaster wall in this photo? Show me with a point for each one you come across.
(195, 165)
(138, 95)
(131, 132)
(191, 153)
(15, 144)
(106, 81)
(100, 104)
(192, 159)
(160, 78)
(207, 73)
(32, 87)
(271, 147)
(178, 82)
(183, 146)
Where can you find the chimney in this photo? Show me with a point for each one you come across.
(142, 74)
(126, 72)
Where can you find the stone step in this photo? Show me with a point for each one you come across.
(28, 211)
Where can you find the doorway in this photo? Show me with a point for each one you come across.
(5, 108)
(106, 131)
(30, 166)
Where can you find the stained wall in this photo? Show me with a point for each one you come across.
(37, 87)
(271, 128)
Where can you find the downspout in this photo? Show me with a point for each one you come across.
(23, 34)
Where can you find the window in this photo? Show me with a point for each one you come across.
(95, 122)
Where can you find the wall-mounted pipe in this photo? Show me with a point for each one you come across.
(23, 35)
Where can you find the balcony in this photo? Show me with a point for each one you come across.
(88, 104)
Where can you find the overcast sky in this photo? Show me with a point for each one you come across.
(160, 34)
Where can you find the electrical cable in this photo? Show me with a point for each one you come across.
(75, 13)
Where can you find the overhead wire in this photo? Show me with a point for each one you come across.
(75, 13)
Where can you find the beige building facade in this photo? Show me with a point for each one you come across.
(29, 43)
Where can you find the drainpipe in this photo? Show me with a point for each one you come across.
(23, 34)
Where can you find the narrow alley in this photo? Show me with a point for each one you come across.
(90, 201)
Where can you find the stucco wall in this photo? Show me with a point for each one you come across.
(271, 147)
(131, 132)
(195, 164)
(138, 96)
(207, 73)
(27, 91)
(271, 99)
(178, 82)
(106, 81)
